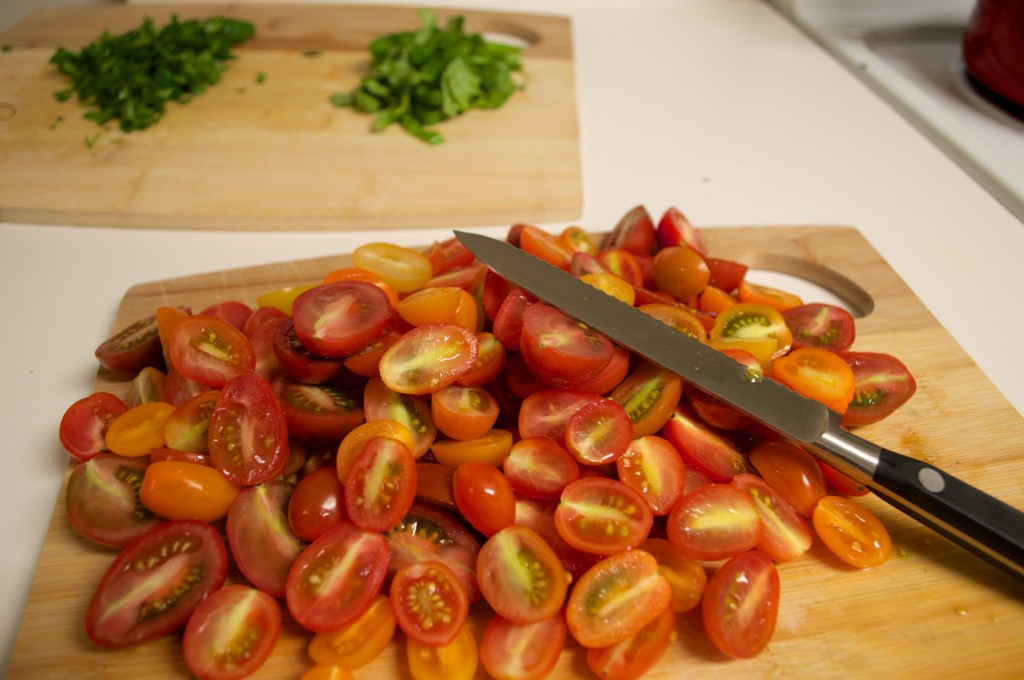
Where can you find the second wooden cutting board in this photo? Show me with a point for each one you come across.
(276, 155)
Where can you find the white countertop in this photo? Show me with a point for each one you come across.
(719, 107)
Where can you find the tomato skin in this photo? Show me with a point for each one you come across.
(634, 656)
(615, 598)
(540, 467)
(741, 605)
(429, 602)
(785, 534)
(231, 633)
(490, 360)
(522, 651)
(248, 432)
(336, 578)
(317, 504)
(457, 660)
(681, 272)
(429, 358)
(352, 444)
(520, 576)
(102, 500)
(210, 351)
(602, 516)
(131, 349)
(434, 482)
(883, 384)
(726, 275)
(177, 490)
(138, 430)
(851, 532)
(359, 642)
(123, 609)
(341, 318)
(714, 522)
(381, 484)
(633, 232)
(260, 538)
(484, 497)
(83, 427)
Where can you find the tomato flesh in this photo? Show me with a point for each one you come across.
(429, 602)
(741, 605)
(232, 633)
(520, 576)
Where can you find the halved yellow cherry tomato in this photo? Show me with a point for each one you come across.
(401, 268)
(757, 328)
(613, 285)
(765, 295)
(851, 532)
(138, 430)
(282, 298)
(457, 660)
(677, 317)
(492, 448)
(358, 643)
(430, 305)
(327, 671)
(817, 374)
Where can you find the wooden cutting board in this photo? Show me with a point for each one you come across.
(932, 610)
(277, 155)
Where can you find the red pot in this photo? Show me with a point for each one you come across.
(993, 47)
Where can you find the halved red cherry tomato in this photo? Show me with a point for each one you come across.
(623, 264)
(599, 432)
(260, 317)
(102, 500)
(463, 412)
(429, 533)
(652, 467)
(637, 654)
(147, 386)
(429, 602)
(138, 430)
(187, 428)
(851, 532)
(457, 660)
(83, 428)
(612, 375)
(674, 229)
(235, 312)
(210, 351)
(520, 576)
(544, 245)
(381, 484)
(484, 497)
(318, 414)
(413, 412)
(248, 432)
(633, 232)
(615, 598)
(702, 448)
(522, 651)
(359, 642)
(403, 269)
(785, 534)
(681, 272)
(232, 633)
(714, 522)
(540, 516)
(817, 374)
(428, 358)
(155, 583)
(447, 255)
(490, 359)
(792, 472)
(883, 385)
(561, 351)
(131, 349)
(341, 318)
(540, 467)
(602, 516)
(578, 240)
(820, 325)
(336, 578)
(261, 539)
(741, 605)
(434, 482)
(177, 490)
(352, 444)
(685, 574)
(757, 328)
(546, 413)
(297, 361)
(726, 275)
(842, 483)
(649, 394)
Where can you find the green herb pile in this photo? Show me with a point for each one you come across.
(132, 76)
(420, 78)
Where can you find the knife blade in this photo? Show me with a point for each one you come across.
(977, 521)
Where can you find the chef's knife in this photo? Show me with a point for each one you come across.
(984, 525)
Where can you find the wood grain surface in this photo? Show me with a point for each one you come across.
(276, 155)
(932, 611)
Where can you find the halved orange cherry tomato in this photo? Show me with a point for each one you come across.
(577, 240)
(430, 305)
(457, 660)
(484, 497)
(522, 651)
(851, 532)
(520, 576)
(649, 395)
(403, 269)
(357, 274)
(327, 671)
(613, 285)
(751, 293)
(817, 374)
(463, 412)
(615, 598)
(678, 318)
(715, 300)
(741, 604)
(429, 602)
(544, 245)
(177, 490)
(685, 574)
(634, 656)
(167, 319)
(381, 484)
(602, 516)
(792, 472)
(757, 328)
(210, 351)
(358, 643)
(447, 255)
(492, 448)
(428, 358)
(380, 401)
(681, 272)
(138, 430)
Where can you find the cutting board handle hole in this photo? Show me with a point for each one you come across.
(510, 34)
(813, 282)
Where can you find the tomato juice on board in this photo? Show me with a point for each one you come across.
(413, 442)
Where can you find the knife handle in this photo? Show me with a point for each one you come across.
(978, 522)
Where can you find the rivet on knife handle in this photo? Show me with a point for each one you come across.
(964, 514)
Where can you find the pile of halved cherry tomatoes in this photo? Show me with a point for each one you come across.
(412, 434)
